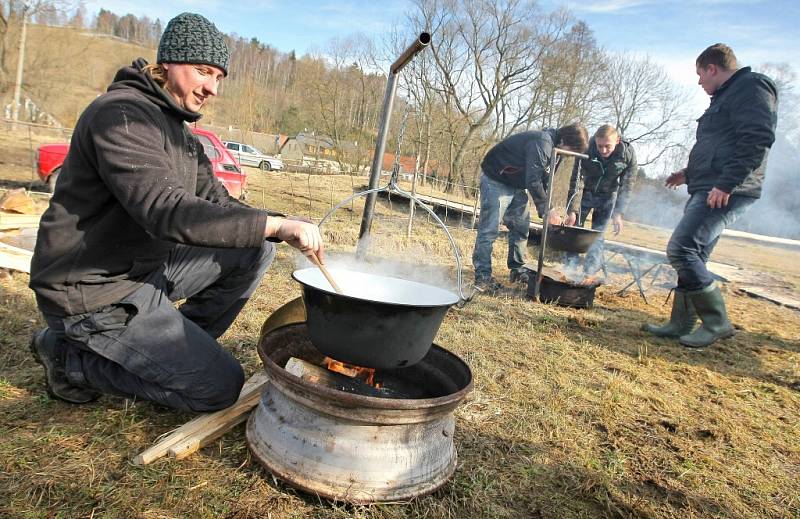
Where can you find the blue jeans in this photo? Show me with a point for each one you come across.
(143, 346)
(696, 235)
(601, 207)
(501, 202)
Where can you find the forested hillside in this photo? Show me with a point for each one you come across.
(483, 77)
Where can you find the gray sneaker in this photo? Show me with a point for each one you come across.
(487, 286)
(45, 351)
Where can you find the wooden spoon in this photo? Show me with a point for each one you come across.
(318, 263)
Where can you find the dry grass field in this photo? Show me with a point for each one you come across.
(575, 413)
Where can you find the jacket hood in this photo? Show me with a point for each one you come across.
(132, 77)
(736, 75)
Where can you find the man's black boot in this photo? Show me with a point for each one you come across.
(519, 276)
(44, 347)
(487, 286)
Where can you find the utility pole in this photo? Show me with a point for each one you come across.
(20, 63)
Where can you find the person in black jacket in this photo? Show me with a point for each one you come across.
(137, 222)
(608, 178)
(518, 162)
(724, 175)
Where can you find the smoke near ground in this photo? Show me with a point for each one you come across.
(776, 213)
(656, 205)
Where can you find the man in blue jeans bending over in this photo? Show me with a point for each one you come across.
(517, 163)
(724, 176)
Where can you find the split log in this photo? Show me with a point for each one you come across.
(193, 435)
(18, 201)
(325, 377)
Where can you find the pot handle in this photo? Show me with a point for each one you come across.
(392, 186)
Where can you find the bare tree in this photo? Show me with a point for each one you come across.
(483, 51)
(345, 93)
(645, 105)
(789, 100)
(11, 14)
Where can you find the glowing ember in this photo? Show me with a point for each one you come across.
(365, 375)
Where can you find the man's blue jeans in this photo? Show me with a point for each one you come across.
(696, 235)
(501, 202)
(601, 207)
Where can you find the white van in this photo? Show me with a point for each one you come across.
(250, 156)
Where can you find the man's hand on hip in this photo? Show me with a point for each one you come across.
(298, 232)
(717, 198)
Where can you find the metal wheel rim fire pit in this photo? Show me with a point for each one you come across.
(350, 447)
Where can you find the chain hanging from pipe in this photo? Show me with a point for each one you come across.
(400, 133)
(393, 186)
(422, 41)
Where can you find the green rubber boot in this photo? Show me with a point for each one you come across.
(681, 320)
(710, 307)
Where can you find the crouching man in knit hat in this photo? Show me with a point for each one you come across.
(137, 222)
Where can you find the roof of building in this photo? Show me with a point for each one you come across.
(310, 139)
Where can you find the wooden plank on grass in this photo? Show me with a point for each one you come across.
(771, 295)
(224, 421)
(15, 258)
(205, 428)
(18, 221)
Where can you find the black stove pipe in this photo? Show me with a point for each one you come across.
(421, 42)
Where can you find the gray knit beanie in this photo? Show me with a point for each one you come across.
(191, 38)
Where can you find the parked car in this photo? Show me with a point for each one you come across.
(250, 156)
(50, 157)
(226, 167)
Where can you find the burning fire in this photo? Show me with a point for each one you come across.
(365, 375)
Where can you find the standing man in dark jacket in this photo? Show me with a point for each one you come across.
(518, 162)
(724, 177)
(137, 222)
(608, 178)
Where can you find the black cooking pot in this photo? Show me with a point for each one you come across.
(378, 322)
(571, 239)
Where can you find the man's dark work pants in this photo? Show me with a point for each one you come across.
(146, 348)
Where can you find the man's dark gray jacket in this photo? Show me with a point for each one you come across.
(522, 160)
(604, 177)
(734, 136)
(135, 182)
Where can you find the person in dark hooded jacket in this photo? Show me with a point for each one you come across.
(137, 222)
(608, 177)
(724, 177)
(514, 168)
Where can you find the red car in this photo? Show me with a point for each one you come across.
(50, 157)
